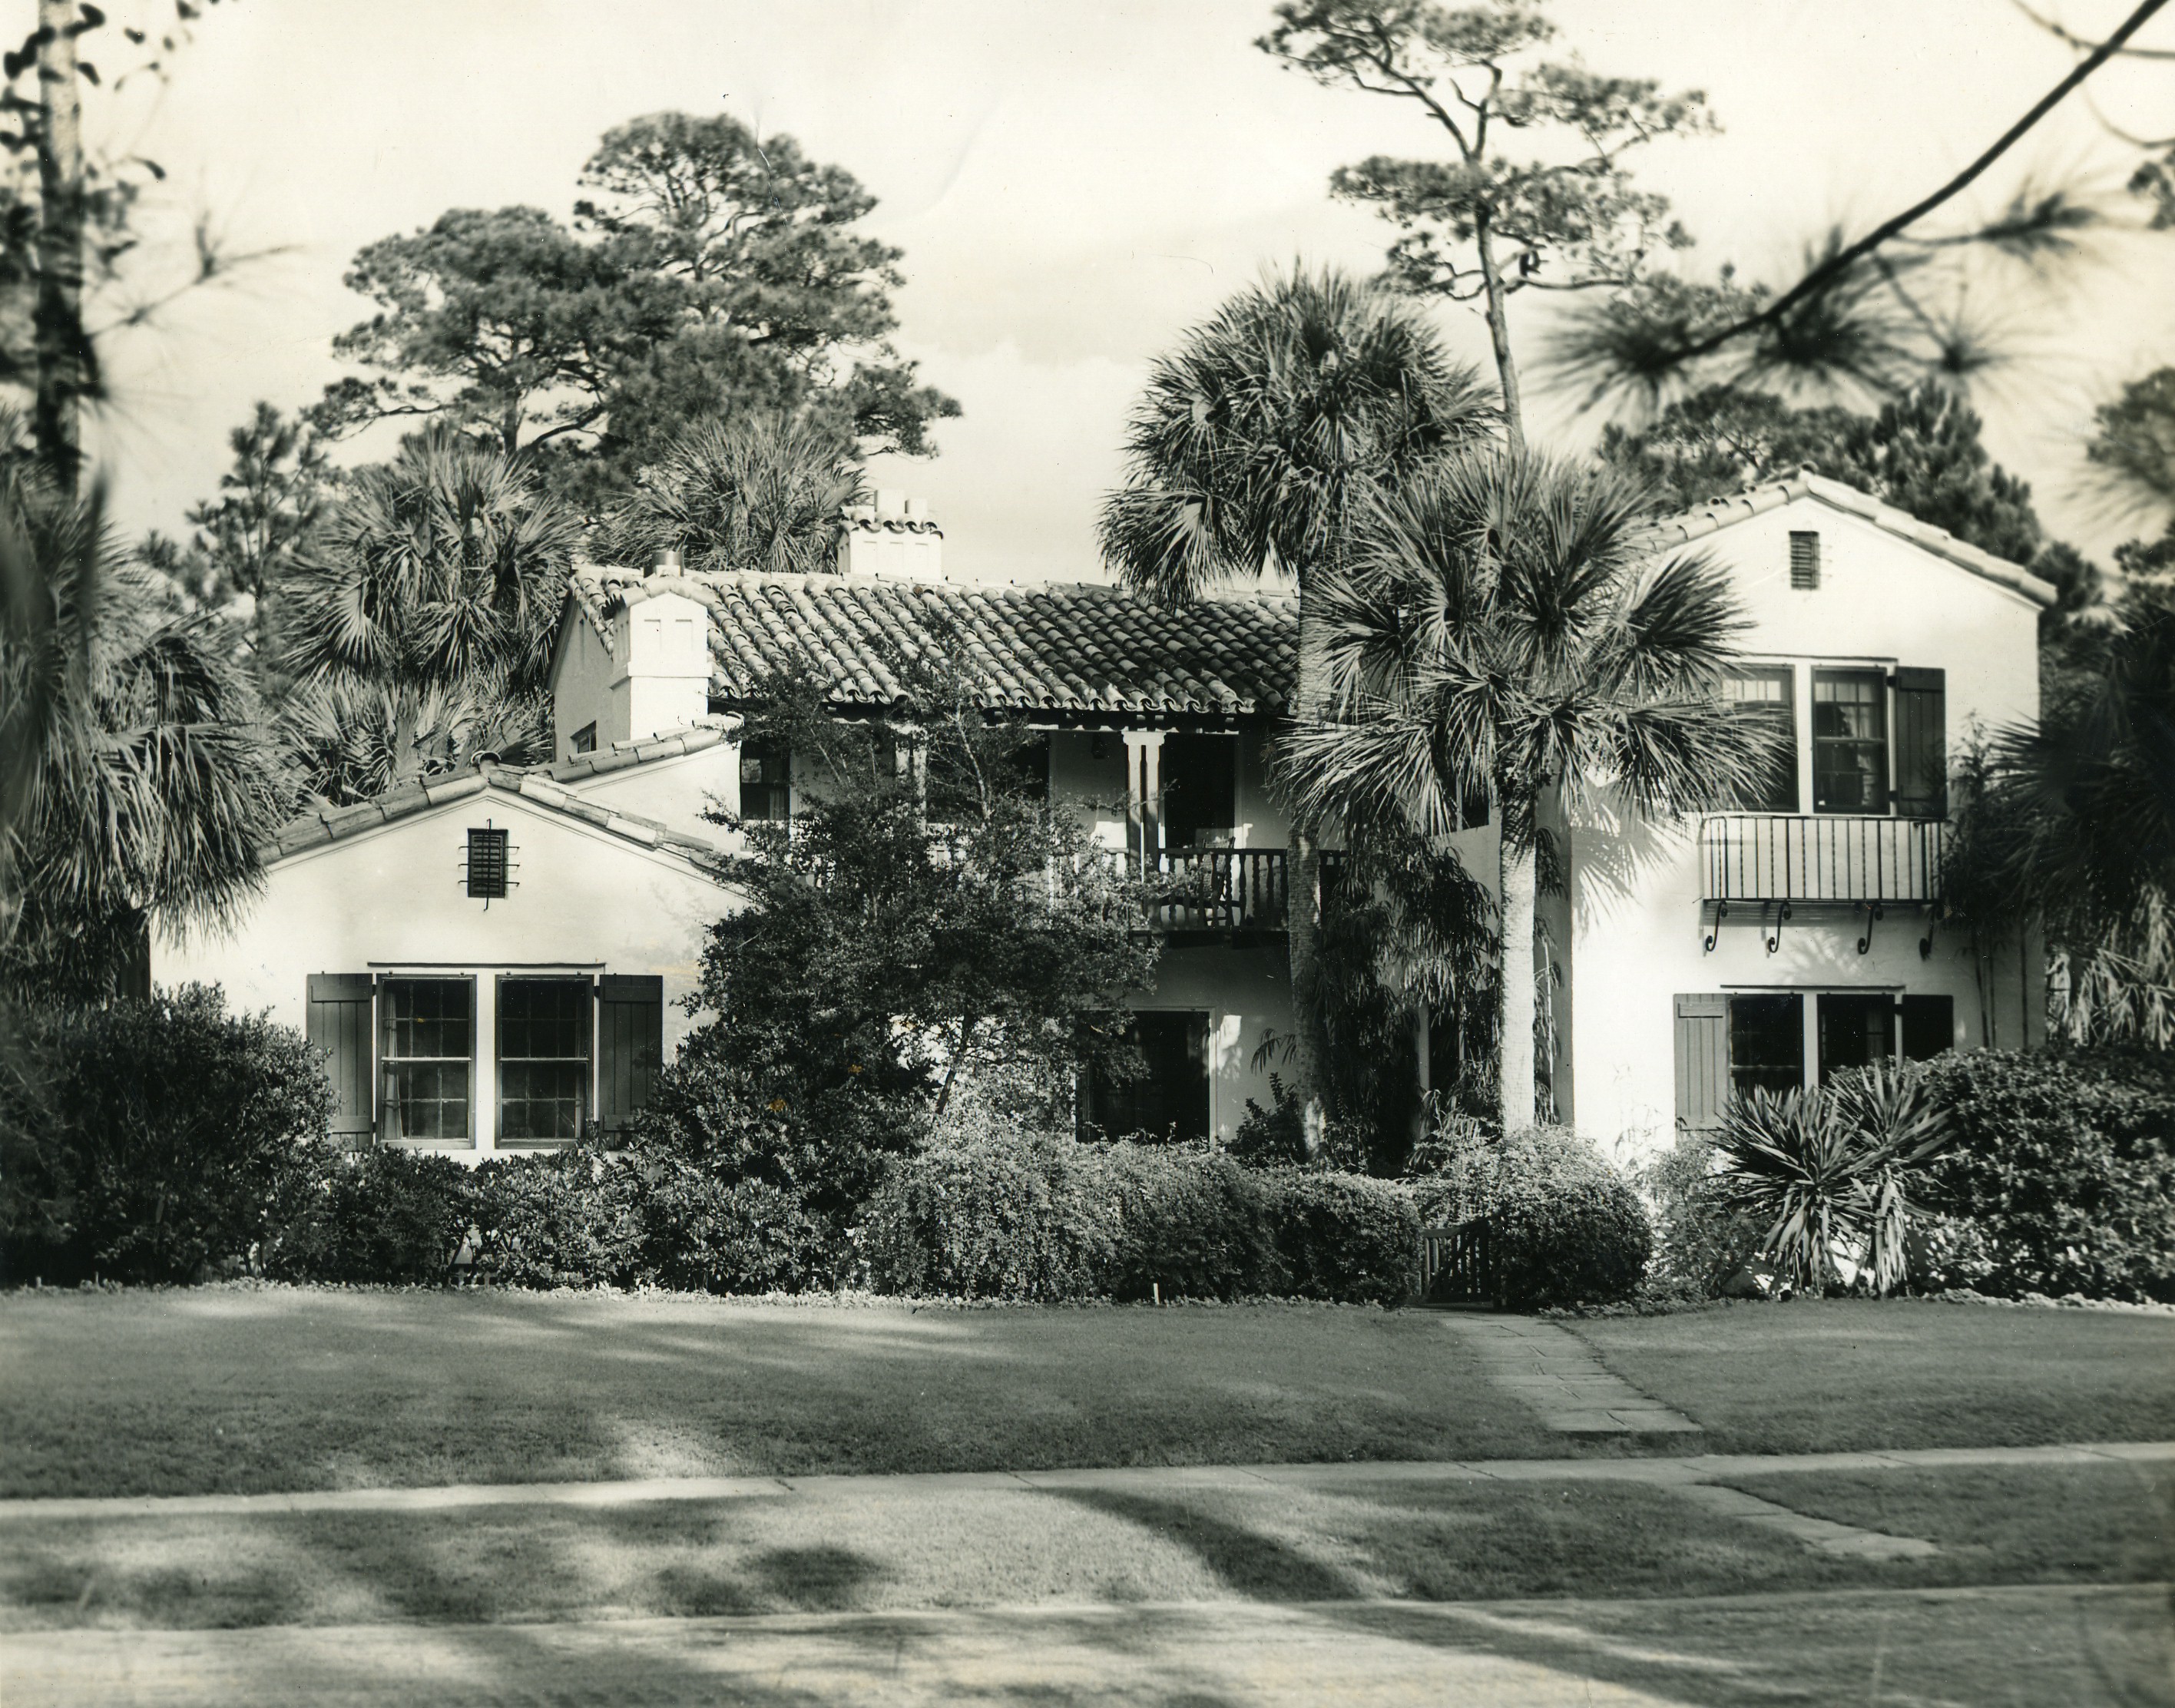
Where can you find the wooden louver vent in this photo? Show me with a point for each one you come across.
(1804, 561)
(487, 864)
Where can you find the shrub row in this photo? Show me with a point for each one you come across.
(1037, 1217)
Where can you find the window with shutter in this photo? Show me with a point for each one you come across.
(543, 1060)
(426, 1043)
(1850, 741)
(1922, 742)
(1804, 561)
(1168, 1097)
(766, 782)
(487, 865)
(1771, 689)
(1702, 1049)
(630, 1044)
(1767, 1043)
(338, 1020)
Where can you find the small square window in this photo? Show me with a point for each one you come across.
(487, 864)
(1805, 561)
(583, 740)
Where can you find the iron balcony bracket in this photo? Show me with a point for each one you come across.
(1720, 912)
(1874, 913)
(1775, 939)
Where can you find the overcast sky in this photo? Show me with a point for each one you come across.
(1072, 184)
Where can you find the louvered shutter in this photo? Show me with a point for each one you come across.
(338, 1024)
(630, 1044)
(1702, 1041)
(1922, 742)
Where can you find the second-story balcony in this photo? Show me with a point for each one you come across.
(1828, 856)
(1221, 889)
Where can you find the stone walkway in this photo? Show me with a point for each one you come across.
(1555, 1373)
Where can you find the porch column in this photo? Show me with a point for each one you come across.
(1144, 798)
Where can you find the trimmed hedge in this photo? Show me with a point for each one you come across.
(2062, 1177)
(151, 1140)
(1563, 1228)
(383, 1216)
(1035, 1218)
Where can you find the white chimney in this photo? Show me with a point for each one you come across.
(894, 538)
(666, 562)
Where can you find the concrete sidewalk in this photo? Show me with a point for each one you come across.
(1677, 1473)
(2084, 1647)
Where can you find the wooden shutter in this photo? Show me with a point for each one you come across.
(630, 1044)
(1702, 1040)
(1922, 742)
(338, 1024)
(1929, 1025)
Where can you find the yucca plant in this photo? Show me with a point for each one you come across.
(1831, 1169)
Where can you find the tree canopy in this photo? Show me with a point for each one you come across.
(706, 272)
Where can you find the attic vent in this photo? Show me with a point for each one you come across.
(487, 864)
(1804, 561)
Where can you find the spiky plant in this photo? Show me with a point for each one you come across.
(761, 492)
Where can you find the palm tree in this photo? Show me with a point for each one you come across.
(2074, 822)
(135, 779)
(762, 492)
(1499, 624)
(1254, 444)
(437, 586)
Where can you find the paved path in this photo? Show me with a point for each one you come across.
(2083, 1645)
(1555, 1373)
(1675, 1473)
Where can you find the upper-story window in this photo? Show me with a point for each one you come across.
(583, 740)
(1850, 741)
(766, 782)
(1200, 789)
(1772, 688)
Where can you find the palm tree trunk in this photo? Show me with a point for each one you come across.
(1302, 927)
(63, 365)
(1499, 334)
(1514, 1094)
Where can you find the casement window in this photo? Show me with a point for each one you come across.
(543, 1060)
(1804, 561)
(583, 740)
(1733, 1043)
(567, 1049)
(766, 782)
(1770, 688)
(1167, 1098)
(427, 1044)
(1200, 789)
(1850, 741)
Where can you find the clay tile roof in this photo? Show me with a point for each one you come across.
(1718, 513)
(331, 825)
(1051, 649)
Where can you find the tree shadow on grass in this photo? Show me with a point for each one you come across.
(1249, 1564)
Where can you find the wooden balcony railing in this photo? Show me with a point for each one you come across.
(1757, 857)
(1222, 889)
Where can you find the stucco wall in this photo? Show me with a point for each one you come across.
(674, 792)
(1637, 936)
(393, 898)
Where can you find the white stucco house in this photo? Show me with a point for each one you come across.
(495, 958)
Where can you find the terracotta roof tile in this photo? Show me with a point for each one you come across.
(1069, 648)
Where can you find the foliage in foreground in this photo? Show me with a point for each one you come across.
(2062, 1177)
(154, 1139)
(996, 1214)
(1562, 1227)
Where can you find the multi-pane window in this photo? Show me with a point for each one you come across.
(543, 1060)
(1770, 687)
(1766, 1044)
(766, 782)
(1850, 741)
(1856, 1029)
(427, 1043)
(583, 740)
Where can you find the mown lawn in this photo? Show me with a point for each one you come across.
(1826, 1376)
(215, 1390)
